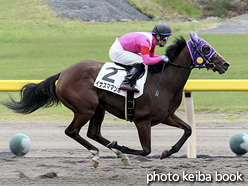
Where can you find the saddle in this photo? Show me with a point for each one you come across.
(110, 78)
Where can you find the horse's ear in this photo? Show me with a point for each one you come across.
(193, 38)
(196, 34)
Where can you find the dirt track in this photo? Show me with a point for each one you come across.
(56, 159)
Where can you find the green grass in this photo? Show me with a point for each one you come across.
(36, 50)
(221, 8)
(162, 9)
(34, 44)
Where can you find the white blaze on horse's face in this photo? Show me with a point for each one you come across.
(204, 55)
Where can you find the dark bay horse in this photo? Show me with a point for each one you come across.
(76, 91)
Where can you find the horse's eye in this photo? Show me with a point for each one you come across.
(206, 50)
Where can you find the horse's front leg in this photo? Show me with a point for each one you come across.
(175, 121)
(144, 131)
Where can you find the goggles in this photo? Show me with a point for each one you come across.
(165, 38)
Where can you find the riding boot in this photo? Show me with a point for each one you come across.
(131, 78)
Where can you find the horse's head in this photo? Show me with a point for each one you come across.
(204, 55)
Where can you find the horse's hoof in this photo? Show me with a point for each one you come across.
(124, 157)
(165, 154)
(95, 159)
(112, 144)
(126, 161)
(95, 163)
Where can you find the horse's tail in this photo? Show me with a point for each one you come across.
(35, 96)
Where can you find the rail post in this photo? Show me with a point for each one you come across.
(190, 114)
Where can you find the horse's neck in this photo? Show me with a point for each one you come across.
(178, 76)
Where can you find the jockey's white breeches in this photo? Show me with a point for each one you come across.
(119, 55)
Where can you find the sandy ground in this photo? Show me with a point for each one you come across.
(55, 159)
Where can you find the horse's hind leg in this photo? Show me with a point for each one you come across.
(144, 131)
(94, 132)
(73, 131)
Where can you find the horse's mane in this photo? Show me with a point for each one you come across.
(171, 52)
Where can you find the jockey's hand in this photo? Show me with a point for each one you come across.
(165, 59)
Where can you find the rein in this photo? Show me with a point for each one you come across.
(188, 67)
(157, 92)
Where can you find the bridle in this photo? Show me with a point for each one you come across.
(208, 60)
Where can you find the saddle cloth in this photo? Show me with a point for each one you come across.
(111, 76)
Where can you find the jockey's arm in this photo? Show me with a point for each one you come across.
(149, 57)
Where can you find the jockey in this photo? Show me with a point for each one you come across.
(137, 49)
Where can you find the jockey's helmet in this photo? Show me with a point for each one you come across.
(162, 29)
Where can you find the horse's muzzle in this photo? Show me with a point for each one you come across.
(226, 65)
(222, 68)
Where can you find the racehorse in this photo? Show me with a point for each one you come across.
(74, 87)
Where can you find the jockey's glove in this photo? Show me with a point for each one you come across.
(165, 59)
